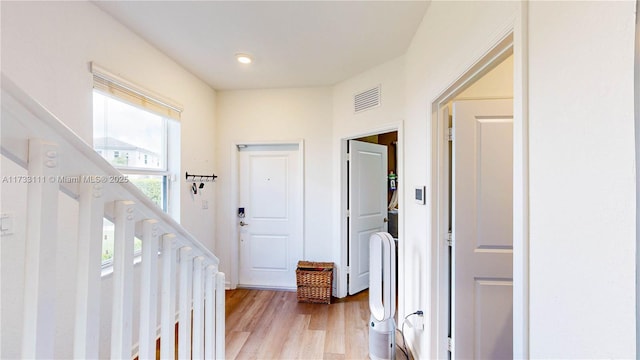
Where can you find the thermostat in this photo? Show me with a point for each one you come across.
(420, 194)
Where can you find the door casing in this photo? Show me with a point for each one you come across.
(340, 283)
(513, 41)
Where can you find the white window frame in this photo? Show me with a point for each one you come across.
(122, 90)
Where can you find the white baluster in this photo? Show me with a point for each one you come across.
(121, 327)
(148, 290)
(184, 327)
(40, 252)
(198, 309)
(209, 312)
(168, 321)
(220, 316)
(87, 322)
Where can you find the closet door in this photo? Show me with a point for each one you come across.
(367, 206)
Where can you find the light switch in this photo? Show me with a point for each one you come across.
(6, 223)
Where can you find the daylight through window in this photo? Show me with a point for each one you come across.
(134, 139)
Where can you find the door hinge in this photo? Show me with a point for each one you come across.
(348, 269)
(450, 134)
(348, 213)
(348, 157)
(449, 344)
(449, 238)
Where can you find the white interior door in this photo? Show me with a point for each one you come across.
(271, 229)
(482, 229)
(367, 206)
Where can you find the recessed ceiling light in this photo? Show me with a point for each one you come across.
(244, 58)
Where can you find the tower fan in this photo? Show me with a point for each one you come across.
(382, 296)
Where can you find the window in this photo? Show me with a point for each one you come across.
(139, 136)
(122, 130)
(108, 231)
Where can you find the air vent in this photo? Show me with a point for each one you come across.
(367, 99)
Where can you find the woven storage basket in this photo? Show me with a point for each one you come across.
(315, 281)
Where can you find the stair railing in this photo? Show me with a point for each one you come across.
(188, 282)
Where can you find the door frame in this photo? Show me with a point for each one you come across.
(636, 86)
(235, 199)
(340, 286)
(513, 40)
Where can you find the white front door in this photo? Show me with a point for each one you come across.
(482, 229)
(271, 229)
(367, 206)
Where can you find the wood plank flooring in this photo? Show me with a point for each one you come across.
(264, 324)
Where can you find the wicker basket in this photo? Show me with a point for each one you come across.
(315, 281)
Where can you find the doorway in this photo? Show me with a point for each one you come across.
(473, 220)
(372, 200)
(269, 215)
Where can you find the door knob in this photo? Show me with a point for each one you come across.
(386, 220)
(242, 223)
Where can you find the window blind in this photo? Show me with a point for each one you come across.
(113, 85)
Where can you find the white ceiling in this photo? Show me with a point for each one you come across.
(294, 43)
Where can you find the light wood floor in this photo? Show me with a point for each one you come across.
(262, 324)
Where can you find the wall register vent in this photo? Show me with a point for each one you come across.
(366, 100)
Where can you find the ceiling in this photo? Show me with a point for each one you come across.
(294, 43)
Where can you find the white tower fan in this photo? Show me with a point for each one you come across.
(382, 296)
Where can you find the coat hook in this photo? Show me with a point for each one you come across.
(200, 178)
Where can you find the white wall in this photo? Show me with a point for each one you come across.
(277, 115)
(452, 36)
(46, 48)
(390, 76)
(582, 235)
(582, 183)
(12, 264)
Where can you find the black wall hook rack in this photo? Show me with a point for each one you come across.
(201, 178)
